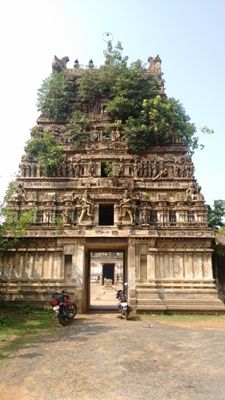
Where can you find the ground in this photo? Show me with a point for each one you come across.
(100, 356)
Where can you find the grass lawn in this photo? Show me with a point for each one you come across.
(22, 324)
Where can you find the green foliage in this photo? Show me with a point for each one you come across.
(137, 134)
(161, 121)
(9, 191)
(79, 128)
(54, 97)
(130, 95)
(133, 99)
(21, 324)
(130, 88)
(216, 214)
(14, 226)
(219, 249)
(48, 153)
(222, 229)
(59, 221)
(89, 88)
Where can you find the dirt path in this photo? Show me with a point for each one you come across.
(101, 357)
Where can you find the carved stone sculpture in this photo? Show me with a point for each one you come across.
(19, 193)
(126, 207)
(155, 66)
(59, 65)
(145, 216)
(86, 208)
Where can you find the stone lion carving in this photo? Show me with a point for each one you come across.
(59, 65)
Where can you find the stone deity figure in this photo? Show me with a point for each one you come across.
(154, 169)
(145, 216)
(19, 193)
(115, 135)
(135, 168)
(70, 169)
(67, 215)
(91, 168)
(191, 193)
(126, 207)
(76, 169)
(176, 169)
(86, 208)
(94, 135)
(64, 168)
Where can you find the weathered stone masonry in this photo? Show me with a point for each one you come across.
(150, 207)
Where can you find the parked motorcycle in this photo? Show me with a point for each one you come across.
(124, 307)
(63, 307)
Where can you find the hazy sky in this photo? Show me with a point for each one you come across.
(189, 36)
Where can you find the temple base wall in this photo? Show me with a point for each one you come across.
(163, 275)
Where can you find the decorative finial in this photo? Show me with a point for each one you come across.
(76, 64)
(107, 37)
(91, 64)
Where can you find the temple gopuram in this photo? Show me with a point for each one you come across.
(102, 197)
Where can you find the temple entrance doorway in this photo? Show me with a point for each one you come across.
(106, 274)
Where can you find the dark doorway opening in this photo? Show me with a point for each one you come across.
(108, 272)
(68, 268)
(106, 214)
(105, 169)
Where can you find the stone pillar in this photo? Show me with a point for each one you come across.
(79, 276)
(151, 264)
(207, 266)
(198, 273)
(131, 271)
(116, 214)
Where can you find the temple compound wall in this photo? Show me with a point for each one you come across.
(103, 198)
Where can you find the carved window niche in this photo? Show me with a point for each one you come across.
(190, 217)
(39, 217)
(105, 169)
(82, 170)
(74, 217)
(172, 216)
(106, 214)
(153, 217)
(67, 267)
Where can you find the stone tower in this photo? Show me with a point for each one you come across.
(149, 206)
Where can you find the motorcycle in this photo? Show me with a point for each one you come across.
(124, 307)
(63, 307)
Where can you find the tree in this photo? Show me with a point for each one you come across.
(78, 128)
(216, 214)
(54, 97)
(131, 98)
(48, 153)
(13, 225)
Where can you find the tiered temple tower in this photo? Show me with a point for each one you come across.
(148, 206)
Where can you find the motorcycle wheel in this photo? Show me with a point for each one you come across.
(63, 320)
(73, 311)
(126, 314)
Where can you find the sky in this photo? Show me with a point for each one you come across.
(189, 37)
